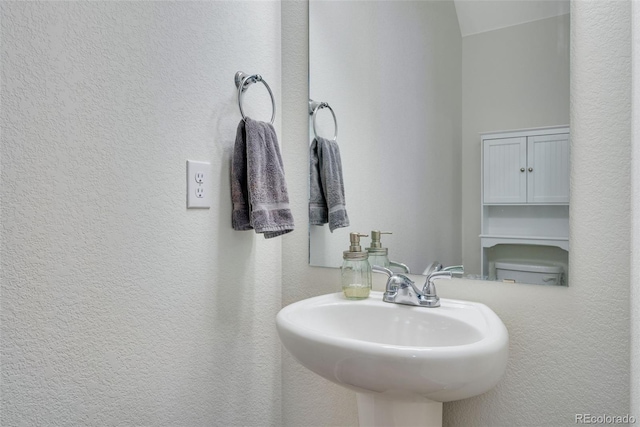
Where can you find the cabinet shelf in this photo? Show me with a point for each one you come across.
(504, 236)
(489, 241)
(527, 204)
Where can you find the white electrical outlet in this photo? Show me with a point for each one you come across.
(198, 184)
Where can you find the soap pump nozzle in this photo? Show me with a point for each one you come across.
(376, 243)
(355, 241)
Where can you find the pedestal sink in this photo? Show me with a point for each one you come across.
(402, 361)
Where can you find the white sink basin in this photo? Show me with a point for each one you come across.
(452, 352)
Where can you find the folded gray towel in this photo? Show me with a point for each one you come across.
(258, 188)
(326, 196)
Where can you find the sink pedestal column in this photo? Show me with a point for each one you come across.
(377, 410)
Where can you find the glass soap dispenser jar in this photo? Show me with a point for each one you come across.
(380, 256)
(377, 254)
(356, 270)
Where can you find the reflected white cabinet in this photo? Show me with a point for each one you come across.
(525, 188)
(504, 170)
(527, 168)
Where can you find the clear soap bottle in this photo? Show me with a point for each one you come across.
(356, 270)
(380, 256)
(377, 254)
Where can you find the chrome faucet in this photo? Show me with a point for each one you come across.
(402, 290)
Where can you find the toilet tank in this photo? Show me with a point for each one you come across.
(528, 272)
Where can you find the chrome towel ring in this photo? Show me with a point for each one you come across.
(314, 107)
(243, 81)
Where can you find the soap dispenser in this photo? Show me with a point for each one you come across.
(356, 270)
(380, 256)
(377, 254)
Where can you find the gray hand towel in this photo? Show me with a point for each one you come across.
(326, 198)
(258, 188)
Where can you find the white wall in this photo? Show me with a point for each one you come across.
(119, 306)
(512, 78)
(398, 105)
(478, 17)
(635, 219)
(570, 346)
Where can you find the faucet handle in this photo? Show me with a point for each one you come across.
(430, 296)
(378, 269)
(434, 266)
(400, 265)
(391, 289)
(440, 275)
(400, 289)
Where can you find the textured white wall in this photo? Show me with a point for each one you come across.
(512, 78)
(119, 306)
(398, 106)
(569, 347)
(635, 219)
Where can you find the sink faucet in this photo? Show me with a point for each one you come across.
(402, 290)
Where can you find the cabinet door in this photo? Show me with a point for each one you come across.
(504, 176)
(548, 169)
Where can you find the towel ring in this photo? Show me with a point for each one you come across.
(314, 107)
(243, 81)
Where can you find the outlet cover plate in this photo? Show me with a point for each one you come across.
(198, 185)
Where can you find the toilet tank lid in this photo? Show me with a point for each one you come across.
(530, 267)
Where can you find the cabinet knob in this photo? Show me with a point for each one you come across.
(530, 169)
(521, 169)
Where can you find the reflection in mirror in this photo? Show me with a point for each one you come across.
(414, 85)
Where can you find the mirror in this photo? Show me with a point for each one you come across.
(415, 87)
